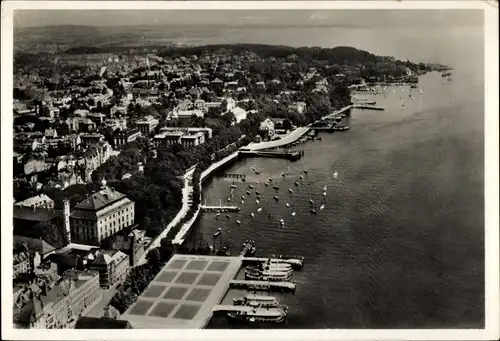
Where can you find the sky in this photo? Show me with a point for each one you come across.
(358, 18)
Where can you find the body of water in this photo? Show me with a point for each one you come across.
(400, 242)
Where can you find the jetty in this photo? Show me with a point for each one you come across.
(290, 155)
(263, 285)
(220, 208)
(369, 107)
(296, 263)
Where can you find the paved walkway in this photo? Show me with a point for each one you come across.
(187, 191)
(291, 137)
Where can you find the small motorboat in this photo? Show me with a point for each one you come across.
(290, 190)
(283, 174)
(324, 194)
(305, 171)
(252, 214)
(257, 192)
(287, 205)
(311, 201)
(217, 216)
(313, 211)
(250, 186)
(238, 222)
(322, 207)
(228, 199)
(301, 177)
(257, 201)
(233, 186)
(248, 193)
(259, 209)
(242, 202)
(282, 222)
(270, 180)
(227, 216)
(266, 183)
(276, 187)
(276, 198)
(293, 214)
(242, 197)
(296, 183)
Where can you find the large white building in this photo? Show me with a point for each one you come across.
(100, 216)
(40, 200)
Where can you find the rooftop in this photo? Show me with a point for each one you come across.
(110, 256)
(34, 244)
(184, 292)
(39, 214)
(41, 198)
(99, 200)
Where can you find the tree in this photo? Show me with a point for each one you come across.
(154, 257)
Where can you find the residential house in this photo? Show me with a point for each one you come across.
(266, 129)
(239, 114)
(87, 125)
(299, 107)
(116, 123)
(112, 266)
(147, 125)
(193, 139)
(188, 114)
(123, 137)
(97, 117)
(167, 138)
(101, 215)
(89, 139)
(35, 246)
(118, 110)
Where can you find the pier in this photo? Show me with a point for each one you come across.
(263, 285)
(296, 263)
(235, 176)
(290, 155)
(369, 107)
(220, 208)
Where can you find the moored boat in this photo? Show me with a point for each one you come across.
(269, 315)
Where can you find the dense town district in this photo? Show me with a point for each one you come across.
(110, 150)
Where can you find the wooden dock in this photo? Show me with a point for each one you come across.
(369, 107)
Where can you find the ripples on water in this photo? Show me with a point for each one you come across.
(400, 243)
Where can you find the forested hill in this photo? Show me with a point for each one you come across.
(337, 55)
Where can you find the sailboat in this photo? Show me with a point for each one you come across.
(335, 175)
(290, 190)
(282, 222)
(259, 209)
(252, 214)
(257, 201)
(322, 207)
(293, 214)
(324, 189)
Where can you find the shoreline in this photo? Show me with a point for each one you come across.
(288, 139)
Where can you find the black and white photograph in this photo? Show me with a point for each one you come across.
(181, 166)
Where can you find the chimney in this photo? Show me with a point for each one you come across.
(67, 227)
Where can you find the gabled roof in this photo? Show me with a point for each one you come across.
(35, 244)
(100, 199)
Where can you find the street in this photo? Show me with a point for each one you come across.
(98, 309)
